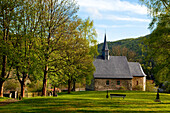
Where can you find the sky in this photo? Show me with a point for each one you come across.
(120, 19)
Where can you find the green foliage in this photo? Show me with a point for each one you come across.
(123, 51)
(156, 8)
(11, 85)
(35, 86)
(122, 88)
(75, 58)
(150, 86)
(138, 87)
(133, 45)
(45, 38)
(166, 86)
(7, 12)
(88, 31)
(55, 16)
(158, 48)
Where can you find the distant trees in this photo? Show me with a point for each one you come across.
(123, 51)
(133, 45)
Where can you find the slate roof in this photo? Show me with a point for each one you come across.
(136, 69)
(115, 67)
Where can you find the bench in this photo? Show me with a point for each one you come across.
(117, 95)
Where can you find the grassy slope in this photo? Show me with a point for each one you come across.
(92, 102)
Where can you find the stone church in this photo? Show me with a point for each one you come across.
(116, 73)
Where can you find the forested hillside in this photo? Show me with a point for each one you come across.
(133, 44)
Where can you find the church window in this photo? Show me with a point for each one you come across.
(118, 82)
(107, 82)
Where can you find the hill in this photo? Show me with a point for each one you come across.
(133, 44)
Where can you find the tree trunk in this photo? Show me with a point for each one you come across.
(45, 81)
(3, 74)
(69, 86)
(54, 91)
(74, 85)
(1, 88)
(4, 66)
(22, 89)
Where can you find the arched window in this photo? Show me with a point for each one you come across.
(137, 83)
(107, 82)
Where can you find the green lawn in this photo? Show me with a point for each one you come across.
(3, 98)
(92, 101)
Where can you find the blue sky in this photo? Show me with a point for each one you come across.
(121, 19)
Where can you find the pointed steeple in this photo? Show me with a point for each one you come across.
(105, 47)
(105, 50)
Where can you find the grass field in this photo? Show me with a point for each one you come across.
(3, 98)
(92, 101)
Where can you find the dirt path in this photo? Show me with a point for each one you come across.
(8, 101)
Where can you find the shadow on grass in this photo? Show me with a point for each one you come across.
(90, 101)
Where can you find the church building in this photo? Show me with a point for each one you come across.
(116, 73)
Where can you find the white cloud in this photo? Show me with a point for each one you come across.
(114, 26)
(94, 12)
(109, 14)
(113, 17)
(113, 5)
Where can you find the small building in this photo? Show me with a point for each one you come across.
(116, 73)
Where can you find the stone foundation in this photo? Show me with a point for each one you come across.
(100, 84)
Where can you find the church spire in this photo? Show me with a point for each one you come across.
(105, 47)
(105, 50)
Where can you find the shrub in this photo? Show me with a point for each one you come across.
(150, 86)
(122, 88)
(166, 86)
(138, 87)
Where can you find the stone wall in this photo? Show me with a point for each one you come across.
(100, 84)
(139, 83)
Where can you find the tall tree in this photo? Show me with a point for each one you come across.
(78, 52)
(54, 15)
(78, 61)
(24, 30)
(159, 41)
(7, 15)
(88, 31)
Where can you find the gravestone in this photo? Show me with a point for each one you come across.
(157, 97)
(14, 94)
(107, 96)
